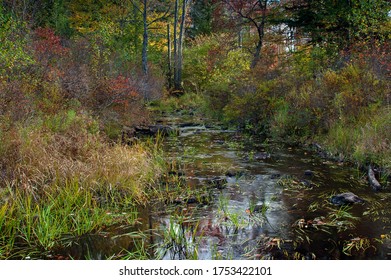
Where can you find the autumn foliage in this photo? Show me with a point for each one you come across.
(47, 42)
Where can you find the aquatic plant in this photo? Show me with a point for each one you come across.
(178, 240)
(141, 250)
(342, 218)
(235, 219)
(357, 246)
(222, 204)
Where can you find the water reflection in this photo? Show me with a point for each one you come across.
(239, 174)
(208, 153)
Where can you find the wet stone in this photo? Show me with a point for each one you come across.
(261, 156)
(307, 183)
(234, 173)
(346, 199)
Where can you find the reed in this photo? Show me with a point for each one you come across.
(179, 241)
(357, 246)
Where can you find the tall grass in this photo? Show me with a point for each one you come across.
(44, 158)
(33, 228)
(374, 140)
(365, 141)
(179, 240)
(62, 178)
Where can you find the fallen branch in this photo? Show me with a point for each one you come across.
(373, 182)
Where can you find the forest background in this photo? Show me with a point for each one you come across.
(75, 76)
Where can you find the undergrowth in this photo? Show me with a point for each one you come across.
(61, 176)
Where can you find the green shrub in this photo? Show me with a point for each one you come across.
(14, 56)
(212, 62)
(251, 108)
(113, 130)
(357, 88)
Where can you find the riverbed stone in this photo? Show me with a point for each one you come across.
(262, 156)
(234, 173)
(346, 199)
(307, 183)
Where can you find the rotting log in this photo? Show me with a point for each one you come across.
(373, 182)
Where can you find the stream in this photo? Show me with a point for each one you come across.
(237, 197)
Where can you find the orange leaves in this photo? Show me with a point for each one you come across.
(122, 90)
(122, 84)
(48, 44)
(117, 93)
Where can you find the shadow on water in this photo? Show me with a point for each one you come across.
(266, 201)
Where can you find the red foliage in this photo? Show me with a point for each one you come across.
(375, 55)
(121, 91)
(48, 43)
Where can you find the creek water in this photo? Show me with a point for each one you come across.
(245, 198)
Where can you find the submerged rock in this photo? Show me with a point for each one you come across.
(234, 173)
(346, 199)
(307, 183)
(309, 173)
(262, 156)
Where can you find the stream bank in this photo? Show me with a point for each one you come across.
(245, 198)
(228, 195)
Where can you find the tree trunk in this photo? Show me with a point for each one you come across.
(240, 33)
(240, 38)
(176, 12)
(178, 84)
(145, 40)
(169, 59)
(261, 34)
(257, 54)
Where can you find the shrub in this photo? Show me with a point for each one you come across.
(15, 57)
(212, 62)
(291, 123)
(251, 108)
(358, 89)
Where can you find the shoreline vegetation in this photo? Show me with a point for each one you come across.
(68, 183)
(70, 83)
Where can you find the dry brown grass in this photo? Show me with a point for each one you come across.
(38, 158)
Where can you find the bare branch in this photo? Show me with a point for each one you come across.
(136, 6)
(167, 13)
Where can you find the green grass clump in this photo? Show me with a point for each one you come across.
(179, 239)
(34, 228)
(366, 141)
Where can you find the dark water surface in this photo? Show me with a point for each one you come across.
(254, 200)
